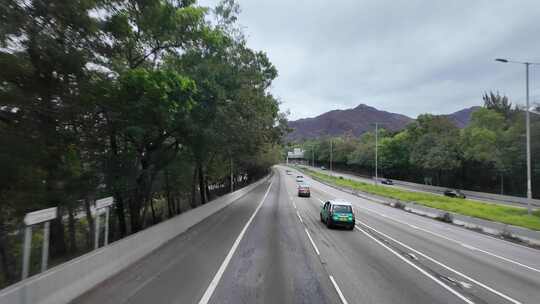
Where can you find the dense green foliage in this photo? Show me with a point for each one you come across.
(499, 213)
(153, 102)
(488, 155)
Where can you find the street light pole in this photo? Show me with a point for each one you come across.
(376, 152)
(528, 130)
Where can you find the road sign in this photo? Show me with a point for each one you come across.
(32, 218)
(40, 216)
(104, 202)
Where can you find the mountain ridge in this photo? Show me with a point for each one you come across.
(359, 120)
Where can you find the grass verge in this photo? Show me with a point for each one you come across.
(498, 213)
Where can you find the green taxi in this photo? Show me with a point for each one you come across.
(337, 213)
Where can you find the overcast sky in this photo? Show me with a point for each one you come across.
(408, 57)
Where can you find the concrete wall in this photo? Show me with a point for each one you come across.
(67, 281)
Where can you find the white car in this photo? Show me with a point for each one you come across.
(299, 178)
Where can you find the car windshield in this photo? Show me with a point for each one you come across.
(342, 209)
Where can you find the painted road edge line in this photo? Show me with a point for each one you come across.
(217, 277)
(444, 237)
(502, 295)
(299, 217)
(457, 294)
(341, 296)
(458, 242)
(312, 242)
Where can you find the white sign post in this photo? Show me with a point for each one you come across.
(101, 204)
(33, 218)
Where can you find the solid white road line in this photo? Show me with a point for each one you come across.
(502, 295)
(457, 294)
(217, 277)
(341, 296)
(312, 242)
(299, 217)
(446, 238)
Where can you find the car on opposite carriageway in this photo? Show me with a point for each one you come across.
(454, 193)
(338, 213)
(387, 181)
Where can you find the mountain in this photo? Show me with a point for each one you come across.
(462, 118)
(359, 120)
(337, 122)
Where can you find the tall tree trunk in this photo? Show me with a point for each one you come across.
(170, 201)
(502, 184)
(141, 194)
(202, 191)
(154, 219)
(206, 188)
(71, 230)
(194, 188)
(120, 214)
(90, 220)
(58, 242)
(178, 202)
(114, 172)
(135, 213)
(7, 260)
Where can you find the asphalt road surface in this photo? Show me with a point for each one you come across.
(506, 201)
(270, 247)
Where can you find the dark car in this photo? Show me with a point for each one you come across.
(303, 190)
(337, 213)
(454, 193)
(387, 181)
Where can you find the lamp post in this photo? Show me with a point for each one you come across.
(528, 128)
(376, 152)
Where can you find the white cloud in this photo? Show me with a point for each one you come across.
(408, 57)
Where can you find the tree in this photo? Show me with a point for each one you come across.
(394, 154)
(121, 98)
(499, 104)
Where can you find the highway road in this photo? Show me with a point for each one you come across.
(501, 200)
(270, 247)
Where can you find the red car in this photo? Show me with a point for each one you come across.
(303, 190)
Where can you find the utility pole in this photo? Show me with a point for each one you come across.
(312, 157)
(376, 152)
